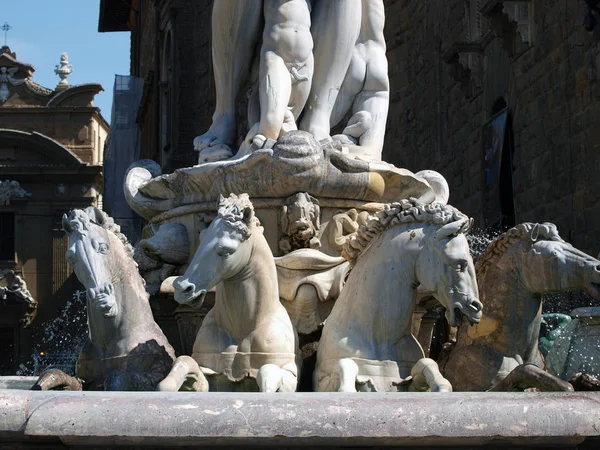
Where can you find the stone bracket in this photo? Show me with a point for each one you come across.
(505, 26)
(466, 62)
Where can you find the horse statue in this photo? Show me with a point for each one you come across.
(247, 341)
(367, 343)
(513, 272)
(125, 349)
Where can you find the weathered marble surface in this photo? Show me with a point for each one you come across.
(297, 163)
(512, 273)
(346, 73)
(247, 341)
(250, 420)
(367, 343)
(125, 350)
(300, 223)
(309, 283)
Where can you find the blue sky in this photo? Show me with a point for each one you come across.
(43, 29)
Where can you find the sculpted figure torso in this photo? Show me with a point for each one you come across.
(350, 72)
(286, 66)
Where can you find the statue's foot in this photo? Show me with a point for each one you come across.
(344, 139)
(253, 142)
(289, 123)
(259, 141)
(220, 134)
(358, 124)
(219, 152)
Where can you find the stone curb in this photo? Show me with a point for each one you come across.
(301, 419)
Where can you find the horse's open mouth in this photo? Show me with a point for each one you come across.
(459, 317)
(198, 299)
(103, 298)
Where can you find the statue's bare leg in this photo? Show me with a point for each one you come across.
(185, 375)
(373, 100)
(335, 28)
(235, 33)
(367, 86)
(426, 376)
(275, 92)
(286, 67)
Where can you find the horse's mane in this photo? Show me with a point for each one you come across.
(234, 210)
(524, 231)
(405, 211)
(90, 215)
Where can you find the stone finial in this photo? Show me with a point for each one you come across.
(63, 70)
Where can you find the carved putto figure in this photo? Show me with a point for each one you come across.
(126, 350)
(501, 352)
(247, 341)
(367, 343)
(349, 73)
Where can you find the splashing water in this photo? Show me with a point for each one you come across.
(59, 341)
(480, 239)
(563, 302)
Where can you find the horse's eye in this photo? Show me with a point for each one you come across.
(102, 248)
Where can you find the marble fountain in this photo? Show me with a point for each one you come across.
(294, 236)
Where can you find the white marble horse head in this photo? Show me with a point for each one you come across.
(447, 268)
(97, 251)
(224, 251)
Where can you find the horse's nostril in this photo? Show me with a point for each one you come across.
(188, 288)
(597, 268)
(476, 305)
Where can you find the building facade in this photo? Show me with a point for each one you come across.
(51, 146)
(463, 70)
(501, 97)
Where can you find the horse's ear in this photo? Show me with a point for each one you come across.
(450, 229)
(98, 216)
(220, 201)
(535, 232)
(248, 214)
(66, 224)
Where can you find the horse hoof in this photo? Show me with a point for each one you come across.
(167, 385)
